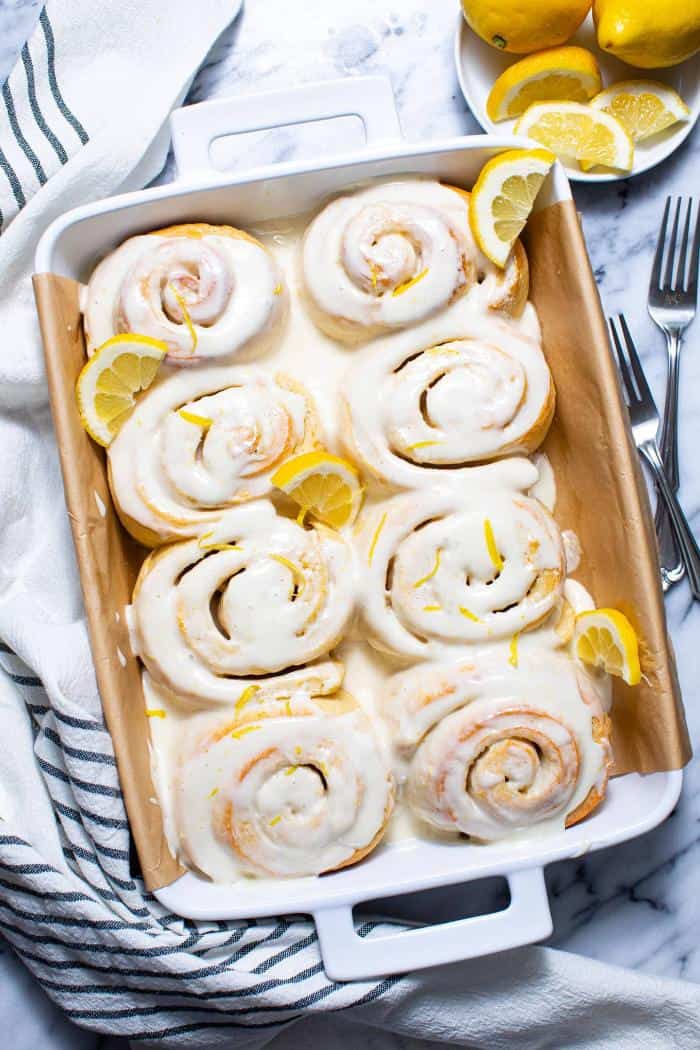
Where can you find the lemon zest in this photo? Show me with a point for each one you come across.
(405, 285)
(185, 315)
(238, 733)
(375, 538)
(246, 696)
(277, 290)
(216, 546)
(433, 571)
(432, 608)
(298, 577)
(422, 444)
(191, 417)
(513, 650)
(275, 820)
(213, 793)
(373, 271)
(491, 546)
(155, 712)
(290, 770)
(469, 615)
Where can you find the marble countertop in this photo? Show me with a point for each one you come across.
(635, 905)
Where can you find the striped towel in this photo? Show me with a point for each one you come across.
(82, 117)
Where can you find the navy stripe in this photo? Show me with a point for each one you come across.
(13, 840)
(80, 723)
(34, 103)
(143, 953)
(55, 90)
(180, 993)
(4, 648)
(60, 896)
(58, 920)
(213, 970)
(86, 814)
(286, 953)
(24, 679)
(17, 132)
(14, 183)
(73, 852)
(76, 782)
(77, 752)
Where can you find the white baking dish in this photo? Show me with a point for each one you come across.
(634, 804)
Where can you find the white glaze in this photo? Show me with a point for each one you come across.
(254, 595)
(230, 287)
(494, 749)
(392, 255)
(203, 440)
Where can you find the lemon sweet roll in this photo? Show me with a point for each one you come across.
(396, 254)
(272, 793)
(479, 391)
(440, 571)
(201, 441)
(493, 751)
(208, 292)
(255, 595)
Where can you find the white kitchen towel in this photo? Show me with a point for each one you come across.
(82, 117)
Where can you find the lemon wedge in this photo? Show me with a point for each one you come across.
(323, 485)
(577, 132)
(107, 386)
(605, 638)
(555, 74)
(643, 107)
(503, 196)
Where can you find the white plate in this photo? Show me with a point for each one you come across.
(479, 64)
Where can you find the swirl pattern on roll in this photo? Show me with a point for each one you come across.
(493, 750)
(201, 441)
(208, 292)
(397, 253)
(441, 571)
(283, 796)
(412, 410)
(255, 595)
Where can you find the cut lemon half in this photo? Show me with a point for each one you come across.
(643, 107)
(555, 74)
(107, 386)
(323, 485)
(503, 196)
(604, 638)
(577, 132)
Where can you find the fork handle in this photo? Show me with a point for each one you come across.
(669, 552)
(690, 552)
(668, 445)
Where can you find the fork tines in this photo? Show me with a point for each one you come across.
(629, 366)
(685, 278)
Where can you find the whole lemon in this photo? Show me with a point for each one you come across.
(522, 26)
(648, 33)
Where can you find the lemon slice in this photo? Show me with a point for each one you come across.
(108, 383)
(555, 74)
(605, 638)
(322, 485)
(577, 132)
(643, 107)
(503, 196)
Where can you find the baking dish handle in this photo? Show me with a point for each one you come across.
(194, 128)
(347, 956)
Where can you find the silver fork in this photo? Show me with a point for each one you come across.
(672, 303)
(644, 417)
